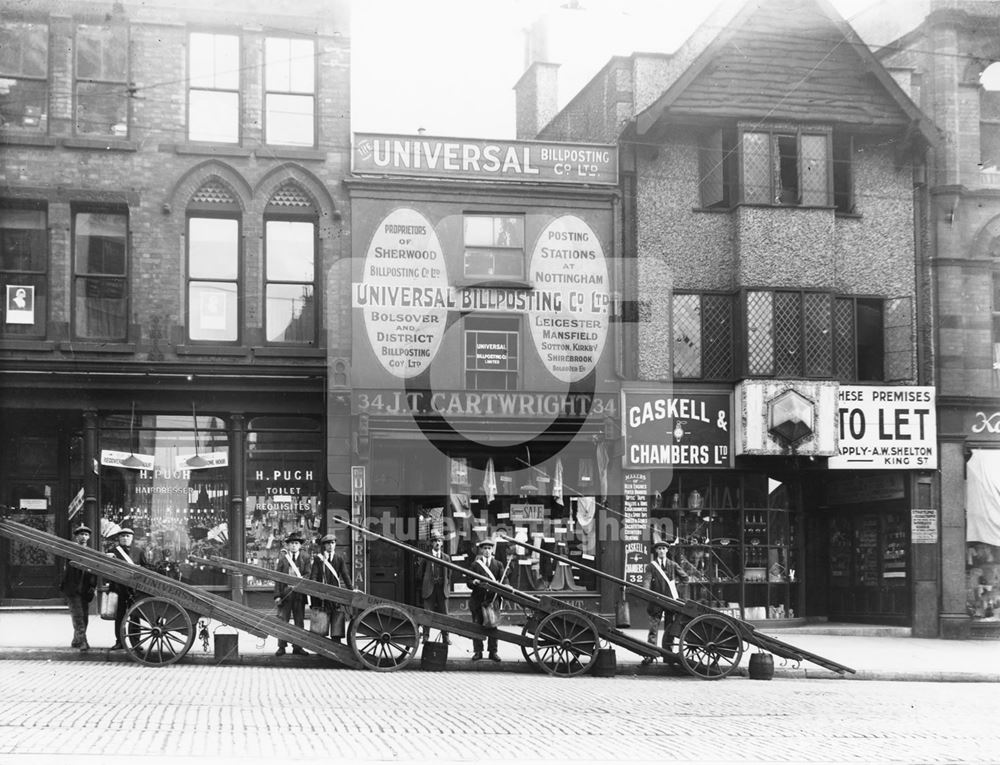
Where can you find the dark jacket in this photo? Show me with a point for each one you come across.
(655, 581)
(281, 590)
(480, 594)
(431, 574)
(77, 582)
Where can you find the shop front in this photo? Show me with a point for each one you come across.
(483, 359)
(775, 509)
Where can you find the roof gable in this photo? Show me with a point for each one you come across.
(787, 60)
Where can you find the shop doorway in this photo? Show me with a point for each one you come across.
(386, 561)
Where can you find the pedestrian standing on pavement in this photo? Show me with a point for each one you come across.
(484, 567)
(435, 582)
(121, 549)
(291, 604)
(329, 567)
(79, 586)
(660, 576)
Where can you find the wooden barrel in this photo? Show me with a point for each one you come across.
(761, 666)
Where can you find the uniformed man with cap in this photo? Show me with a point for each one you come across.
(660, 576)
(291, 603)
(484, 568)
(329, 567)
(435, 581)
(78, 587)
(121, 549)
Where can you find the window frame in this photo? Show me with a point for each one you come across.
(99, 277)
(492, 249)
(214, 74)
(104, 79)
(510, 325)
(705, 348)
(723, 166)
(290, 92)
(314, 283)
(36, 277)
(39, 80)
(239, 280)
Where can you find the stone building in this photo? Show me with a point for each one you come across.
(170, 211)
(778, 405)
(945, 61)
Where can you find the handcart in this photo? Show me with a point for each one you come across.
(559, 638)
(159, 628)
(709, 642)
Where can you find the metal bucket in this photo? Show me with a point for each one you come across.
(434, 657)
(227, 646)
(605, 663)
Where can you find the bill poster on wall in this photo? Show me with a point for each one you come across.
(20, 304)
(886, 427)
(635, 524)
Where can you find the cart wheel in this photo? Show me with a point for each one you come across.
(565, 644)
(384, 638)
(528, 651)
(157, 631)
(710, 647)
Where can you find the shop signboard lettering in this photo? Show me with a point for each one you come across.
(923, 526)
(432, 157)
(111, 458)
(670, 428)
(983, 424)
(883, 427)
(483, 403)
(635, 524)
(358, 492)
(527, 512)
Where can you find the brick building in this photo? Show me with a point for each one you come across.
(942, 62)
(774, 216)
(170, 213)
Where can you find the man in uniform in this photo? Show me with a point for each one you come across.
(435, 582)
(291, 604)
(484, 567)
(660, 576)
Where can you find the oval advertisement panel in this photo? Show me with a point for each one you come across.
(404, 293)
(568, 262)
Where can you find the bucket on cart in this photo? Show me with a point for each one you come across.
(107, 604)
(605, 663)
(227, 645)
(434, 657)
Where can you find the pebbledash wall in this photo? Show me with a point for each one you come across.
(139, 191)
(775, 224)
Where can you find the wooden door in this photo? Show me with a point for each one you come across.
(386, 562)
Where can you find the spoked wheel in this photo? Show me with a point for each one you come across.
(157, 631)
(710, 647)
(528, 651)
(384, 638)
(565, 644)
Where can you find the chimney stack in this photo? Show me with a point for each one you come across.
(535, 98)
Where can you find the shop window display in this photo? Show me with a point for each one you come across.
(169, 483)
(284, 474)
(736, 537)
(547, 506)
(983, 575)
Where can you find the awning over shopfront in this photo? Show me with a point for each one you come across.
(983, 496)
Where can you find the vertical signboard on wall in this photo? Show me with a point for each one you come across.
(358, 493)
(635, 521)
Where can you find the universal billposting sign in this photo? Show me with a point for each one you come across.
(882, 427)
(426, 156)
(672, 428)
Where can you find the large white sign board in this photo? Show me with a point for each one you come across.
(886, 427)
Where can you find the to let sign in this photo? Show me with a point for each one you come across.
(886, 427)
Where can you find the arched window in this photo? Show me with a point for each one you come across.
(214, 273)
(290, 246)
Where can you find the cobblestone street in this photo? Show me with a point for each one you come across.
(113, 712)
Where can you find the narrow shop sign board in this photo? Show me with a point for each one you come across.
(634, 525)
(358, 492)
(886, 427)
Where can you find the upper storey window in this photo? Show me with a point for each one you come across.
(102, 80)
(24, 262)
(24, 58)
(290, 91)
(100, 283)
(214, 88)
(494, 247)
(783, 166)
